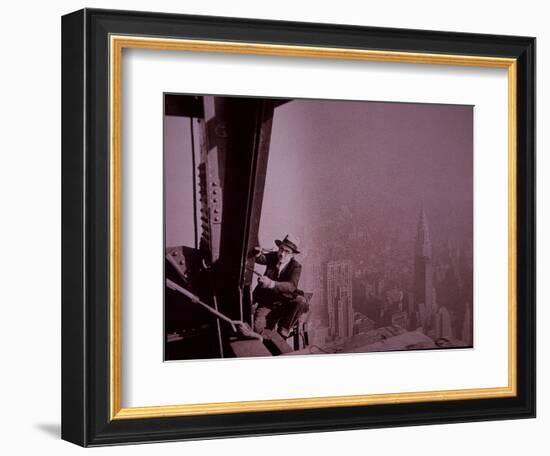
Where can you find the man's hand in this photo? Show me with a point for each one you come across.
(255, 252)
(266, 282)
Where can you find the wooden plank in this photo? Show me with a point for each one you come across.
(276, 343)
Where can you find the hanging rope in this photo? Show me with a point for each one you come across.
(240, 327)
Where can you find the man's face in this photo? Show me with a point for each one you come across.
(284, 254)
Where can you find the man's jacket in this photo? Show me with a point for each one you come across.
(286, 283)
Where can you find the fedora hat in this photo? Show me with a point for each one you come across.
(289, 241)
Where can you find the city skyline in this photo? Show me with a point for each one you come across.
(376, 180)
(432, 292)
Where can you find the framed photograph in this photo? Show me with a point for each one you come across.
(274, 227)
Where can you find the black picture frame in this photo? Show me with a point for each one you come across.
(86, 354)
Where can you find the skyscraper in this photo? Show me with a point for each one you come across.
(443, 326)
(339, 295)
(423, 275)
(467, 327)
(312, 281)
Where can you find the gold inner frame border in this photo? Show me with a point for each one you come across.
(116, 46)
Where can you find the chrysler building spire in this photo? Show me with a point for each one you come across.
(423, 286)
(423, 246)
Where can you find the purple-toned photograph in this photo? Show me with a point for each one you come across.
(304, 226)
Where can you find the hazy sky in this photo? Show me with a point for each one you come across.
(178, 182)
(383, 160)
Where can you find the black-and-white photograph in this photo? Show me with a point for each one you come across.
(299, 227)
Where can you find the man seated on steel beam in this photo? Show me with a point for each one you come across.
(280, 302)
